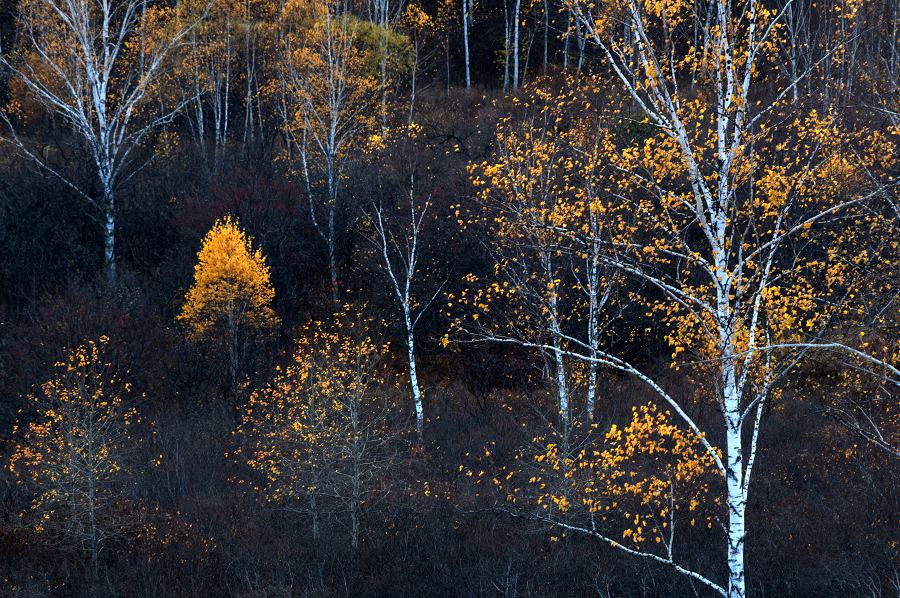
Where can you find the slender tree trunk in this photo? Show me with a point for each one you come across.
(793, 50)
(581, 43)
(412, 84)
(592, 384)
(357, 448)
(91, 504)
(384, 82)
(249, 74)
(109, 226)
(465, 22)
(506, 45)
(736, 499)
(198, 103)
(314, 513)
(595, 303)
(731, 408)
(559, 363)
(546, 35)
(402, 293)
(226, 100)
(233, 358)
(413, 376)
(354, 515)
(332, 260)
(356, 498)
(331, 240)
(516, 44)
(562, 392)
(734, 481)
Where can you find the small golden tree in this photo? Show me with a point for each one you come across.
(231, 293)
(317, 434)
(71, 453)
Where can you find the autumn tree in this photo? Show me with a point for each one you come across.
(398, 230)
(225, 66)
(94, 66)
(209, 64)
(522, 199)
(231, 294)
(317, 435)
(384, 15)
(545, 285)
(72, 452)
(419, 28)
(744, 214)
(329, 95)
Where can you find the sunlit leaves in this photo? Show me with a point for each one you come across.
(231, 283)
(635, 482)
(71, 452)
(299, 428)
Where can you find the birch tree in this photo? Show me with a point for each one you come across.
(397, 237)
(329, 102)
(94, 65)
(523, 195)
(729, 194)
(596, 280)
(420, 29)
(516, 18)
(317, 435)
(547, 178)
(384, 15)
(468, 6)
(71, 454)
(210, 65)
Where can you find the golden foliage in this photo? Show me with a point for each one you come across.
(546, 188)
(635, 482)
(71, 451)
(231, 283)
(300, 427)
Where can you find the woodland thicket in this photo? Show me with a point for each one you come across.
(446, 298)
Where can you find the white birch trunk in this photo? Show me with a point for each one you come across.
(465, 24)
(546, 36)
(109, 237)
(413, 375)
(734, 460)
(506, 45)
(80, 91)
(515, 70)
(562, 391)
